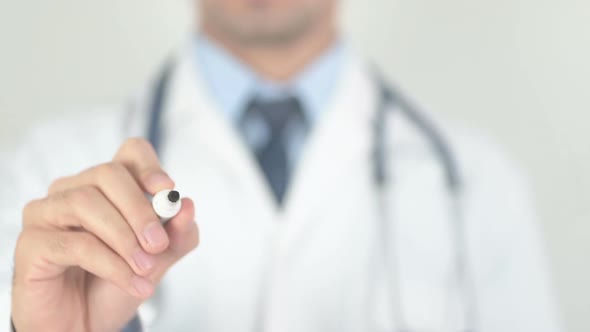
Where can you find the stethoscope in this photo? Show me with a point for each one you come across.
(388, 97)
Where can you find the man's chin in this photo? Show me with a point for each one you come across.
(258, 31)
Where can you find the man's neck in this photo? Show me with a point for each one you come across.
(280, 62)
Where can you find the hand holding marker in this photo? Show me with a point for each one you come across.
(96, 238)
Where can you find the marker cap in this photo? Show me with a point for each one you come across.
(166, 204)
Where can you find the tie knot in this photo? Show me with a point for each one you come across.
(276, 113)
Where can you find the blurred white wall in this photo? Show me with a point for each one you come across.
(518, 69)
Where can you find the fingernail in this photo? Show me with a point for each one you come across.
(155, 235)
(158, 180)
(143, 286)
(144, 261)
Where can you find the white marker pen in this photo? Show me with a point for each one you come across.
(166, 204)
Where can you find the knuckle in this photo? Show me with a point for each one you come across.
(59, 244)
(108, 170)
(29, 211)
(145, 173)
(136, 143)
(108, 220)
(81, 196)
(118, 270)
(57, 184)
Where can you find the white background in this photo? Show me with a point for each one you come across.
(516, 69)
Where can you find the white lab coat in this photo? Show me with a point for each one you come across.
(312, 266)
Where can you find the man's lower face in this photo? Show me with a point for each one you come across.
(263, 21)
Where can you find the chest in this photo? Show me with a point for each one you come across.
(317, 264)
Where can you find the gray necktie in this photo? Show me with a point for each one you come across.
(277, 116)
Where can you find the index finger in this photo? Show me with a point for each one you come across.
(140, 158)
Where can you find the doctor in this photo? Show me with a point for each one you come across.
(267, 120)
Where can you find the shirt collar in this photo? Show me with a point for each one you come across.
(232, 83)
